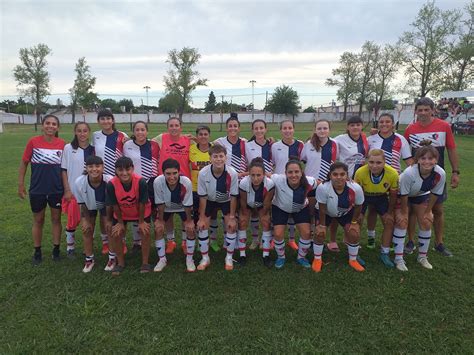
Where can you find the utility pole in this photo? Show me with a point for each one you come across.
(147, 88)
(266, 102)
(222, 111)
(253, 103)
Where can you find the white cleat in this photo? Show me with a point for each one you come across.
(160, 265)
(88, 266)
(110, 265)
(229, 263)
(424, 262)
(190, 267)
(400, 265)
(204, 263)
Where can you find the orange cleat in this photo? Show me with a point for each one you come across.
(317, 265)
(124, 249)
(229, 264)
(170, 247)
(105, 248)
(356, 266)
(292, 244)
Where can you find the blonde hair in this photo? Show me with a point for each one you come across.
(376, 152)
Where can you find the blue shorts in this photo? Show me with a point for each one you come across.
(146, 219)
(380, 204)
(418, 200)
(167, 215)
(343, 220)
(212, 207)
(39, 202)
(280, 217)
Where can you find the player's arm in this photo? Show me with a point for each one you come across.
(243, 208)
(86, 220)
(142, 201)
(454, 160)
(392, 200)
(21, 179)
(67, 188)
(267, 202)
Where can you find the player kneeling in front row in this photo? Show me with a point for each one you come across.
(127, 194)
(379, 182)
(217, 189)
(173, 194)
(291, 200)
(256, 194)
(90, 191)
(420, 186)
(341, 199)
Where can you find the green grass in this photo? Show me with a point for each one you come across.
(56, 308)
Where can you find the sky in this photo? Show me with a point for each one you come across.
(126, 43)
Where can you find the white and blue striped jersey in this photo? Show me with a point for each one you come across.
(317, 164)
(74, 161)
(254, 150)
(109, 147)
(93, 198)
(338, 205)
(412, 184)
(255, 197)
(174, 200)
(235, 153)
(218, 189)
(395, 147)
(281, 153)
(145, 157)
(288, 199)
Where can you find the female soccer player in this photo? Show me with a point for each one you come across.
(379, 181)
(127, 194)
(258, 146)
(46, 188)
(283, 150)
(256, 194)
(420, 186)
(90, 190)
(173, 194)
(108, 144)
(291, 199)
(145, 155)
(72, 165)
(340, 199)
(217, 189)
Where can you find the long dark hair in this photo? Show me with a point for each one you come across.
(315, 141)
(132, 137)
(258, 120)
(75, 140)
(294, 160)
(53, 116)
(257, 163)
(337, 165)
(107, 113)
(233, 117)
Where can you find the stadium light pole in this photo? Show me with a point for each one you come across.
(147, 88)
(253, 103)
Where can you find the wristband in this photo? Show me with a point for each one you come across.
(354, 222)
(456, 172)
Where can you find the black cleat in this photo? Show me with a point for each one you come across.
(242, 260)
(56, 256)
(267, 262)
(37, 259)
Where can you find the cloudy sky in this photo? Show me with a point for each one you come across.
(273, 42)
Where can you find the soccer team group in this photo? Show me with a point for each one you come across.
(312, 187)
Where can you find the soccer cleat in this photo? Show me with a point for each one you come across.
(267, 261)
(425, 263)
(204, 263)
(280, 262)
(118, 269)
(124, 249)
(71, 253)
(110, 265)
(190, 267)
(400, 265)
(317, 265)
(440, 248)
(88, 266)
(303, 262)
(170, 247)
(409, 247)
(242, 261)
(214, 246)
(136, 249)
(160, 265)
(292, 244)
(105, 248)
(360, 261)
(254, 245)
(229, 263)
(371, 243)
(55, 255)
(145, 269)
(37, 259)
(356, 265)
(385, 259)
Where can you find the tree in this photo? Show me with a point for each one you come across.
(425, 48)
(345, 79)
(110, 104)
(182, 78)
(210, 105)
(81, 93)
(127, 103)
(368, 59)
(284, 100)
(32, 75)
(170, 104)
(309, 109)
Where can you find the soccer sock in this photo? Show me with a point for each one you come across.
(183, 233)
(242, 241)
(318, 250)
(303, 246)
(112, 256)
(160, 248)
(190, 243)
(204, 242)
(371, 234)
(230, 240)
(90, 258)
(399, 242)
(254, 227)
(423, 242)
(105, 238)
(213, 229)
(266, 241)
(385, 250)
(70, 240)
(137, 238)
(353, 250)
(280, 248)
(170, 236)
(291, 229)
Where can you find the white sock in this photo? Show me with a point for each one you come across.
(160, 248)
(399, 242)
(318, 250)
(70, 240)
(423, 242)
(371, 234)
(105, 238)
(254, 227)
(353, 250)
(266, 242)
(137, 238)
(303, 246)
(190, 243)
(385, 250)
(204, 242)
(112, 255)
(213, 229)
(230, 241)
(280, 248)
(242, 241)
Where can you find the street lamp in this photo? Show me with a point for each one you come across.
(253, 104)
(147, 88)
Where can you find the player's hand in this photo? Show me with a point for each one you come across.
(232, 223)
(401, 220)
(144, 228)
(201, 224)
(454, 181)
(108, 228)
(67, 195)
(321, 231)
(22, 191)
(159, 226)
(189, 226)
(428, 217)
(354, 227)
(118, 230)
(388, 218)
(86, 226)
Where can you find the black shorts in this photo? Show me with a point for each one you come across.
(280, 217)
(167, 215)
(39, 202)
(146, 219)
(343, 220)
(151, 191)
(418, 200)
(212, 207)
(195, 207)
(102, 212)
(379, 203)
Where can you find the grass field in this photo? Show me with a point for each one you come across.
(55, 308)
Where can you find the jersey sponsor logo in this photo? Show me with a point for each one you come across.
(177, 146)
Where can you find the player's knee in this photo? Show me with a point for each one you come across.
(402, 224)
